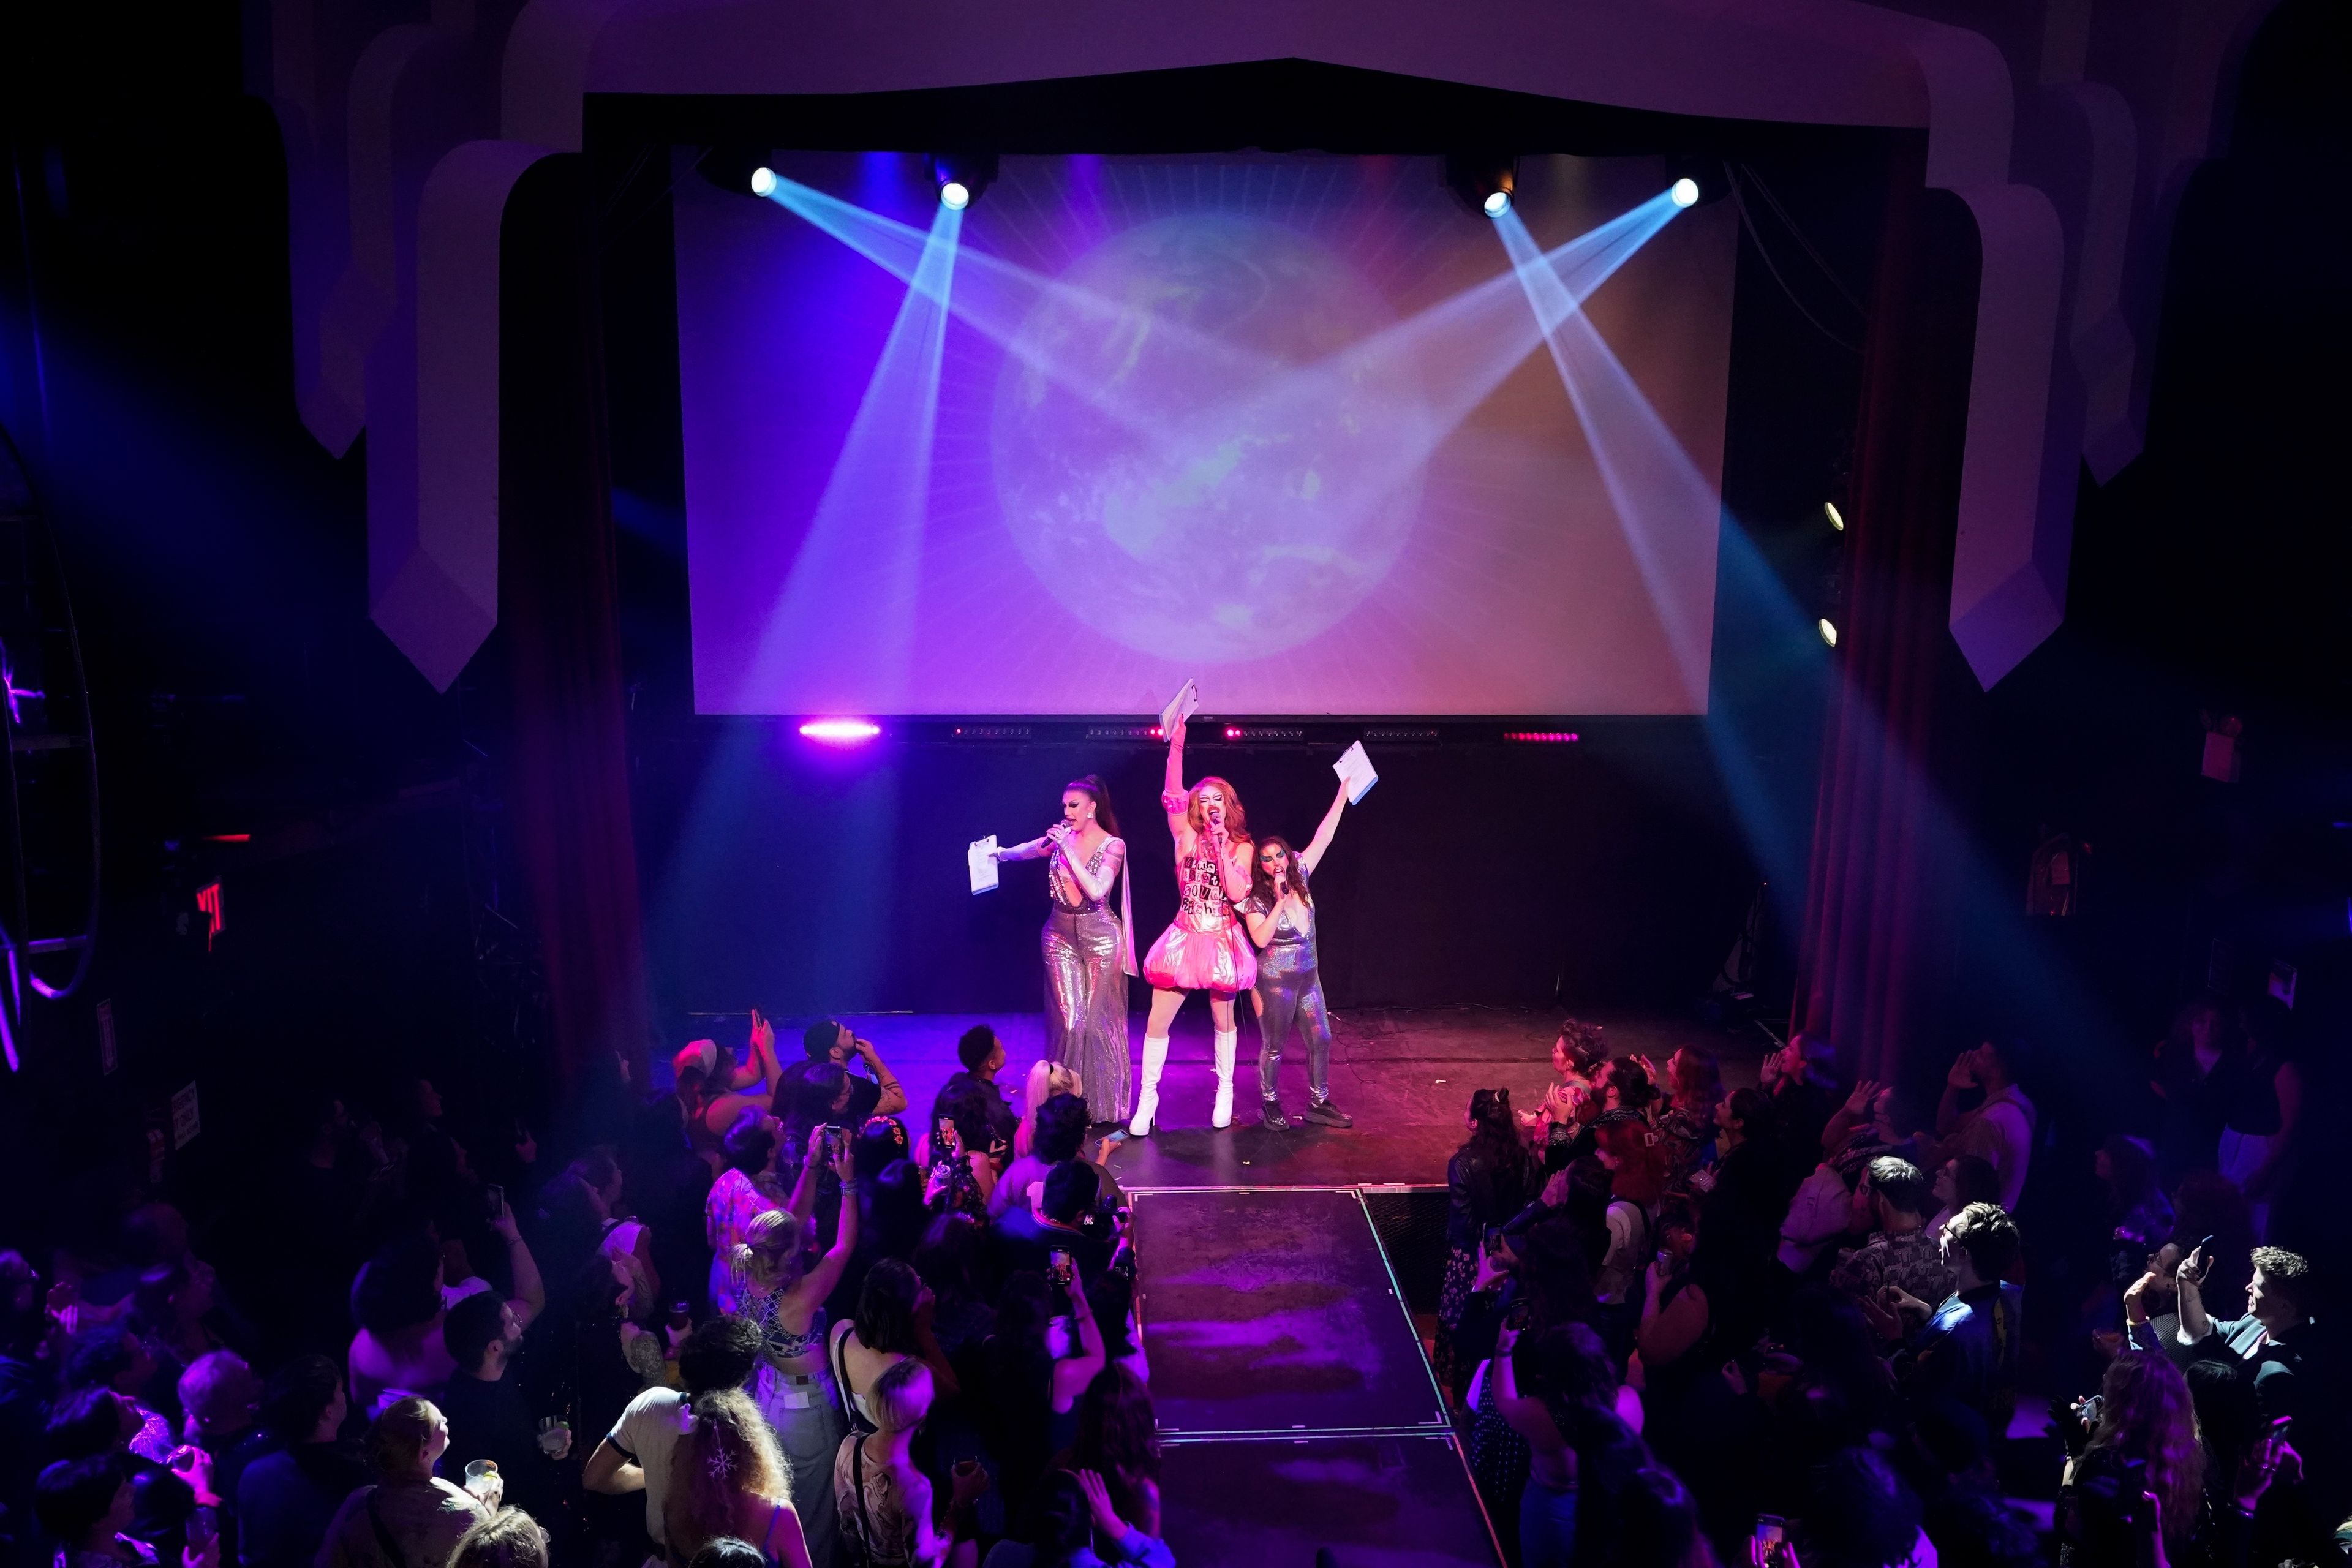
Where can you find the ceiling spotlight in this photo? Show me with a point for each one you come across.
(1837, 517)
(1694, 182)
(1484, 180)
(763, 181)
(962, 177)
(1828, 630)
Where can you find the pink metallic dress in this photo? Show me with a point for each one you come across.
(1204, 948)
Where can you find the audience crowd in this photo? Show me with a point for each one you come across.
(764, 1319)
(760, 1321)
(1787, 1324)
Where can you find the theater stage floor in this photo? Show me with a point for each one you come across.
(1405, 1075)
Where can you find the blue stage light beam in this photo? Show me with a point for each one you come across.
(860, 564)
(1666, 509)
(1655, 478)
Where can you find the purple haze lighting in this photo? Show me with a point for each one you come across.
(840, 731)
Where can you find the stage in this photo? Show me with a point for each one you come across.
(1405, 1075)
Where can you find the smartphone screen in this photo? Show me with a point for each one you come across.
(494, 1201)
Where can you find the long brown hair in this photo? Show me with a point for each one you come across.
(728, 1454)
(1236, 820)
(1093, 789)
(2146, 1414)
(1262, 885)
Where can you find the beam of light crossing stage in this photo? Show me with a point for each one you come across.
(1657, 489)
(1416, 380)
(861, 559)
(1664, 508)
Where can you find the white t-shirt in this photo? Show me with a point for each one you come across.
(646, 1435)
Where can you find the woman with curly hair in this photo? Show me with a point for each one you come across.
(2143, 1442)
(726, 1476)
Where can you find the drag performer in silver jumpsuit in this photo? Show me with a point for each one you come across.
(1280, 914)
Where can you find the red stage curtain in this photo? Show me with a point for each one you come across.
(568, 774)
(1878, 946)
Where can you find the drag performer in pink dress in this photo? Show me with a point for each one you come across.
(1089, 948)
(1204, 948)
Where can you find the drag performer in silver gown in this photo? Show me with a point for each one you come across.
(1280, 914)
(1089, 949)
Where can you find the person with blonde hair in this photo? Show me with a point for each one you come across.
(508, 1539)
(884, 1499)
(1045, 1080)
(778, 1290)
(410, 1516)
(726, 1476)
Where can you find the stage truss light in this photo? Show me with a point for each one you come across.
(840, 731)
(1828, 628)
(763, 181)
(1684, 192)
(1484, 180)
(962, 177)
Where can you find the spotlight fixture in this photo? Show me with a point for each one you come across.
(1693, 181)
(1837, 517)
(1543, 737)
(962, 177)
(763, 181)
(1484, 180)
(1828, 629)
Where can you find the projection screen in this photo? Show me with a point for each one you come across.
(1290, 425)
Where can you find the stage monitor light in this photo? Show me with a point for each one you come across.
(840, 731)
(1484, 180)
(1837, 517)
(962, 177)
(763, 181)
(1684, 191)
(1828, 630)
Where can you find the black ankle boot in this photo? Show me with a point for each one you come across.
(1273, 1117)
(1328, 1114)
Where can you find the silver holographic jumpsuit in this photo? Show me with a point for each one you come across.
(1288, 988)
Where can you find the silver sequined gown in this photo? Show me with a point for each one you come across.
(1085, 988)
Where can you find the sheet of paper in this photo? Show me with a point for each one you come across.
(1183, 705)
(1355, 771)
(980, 858)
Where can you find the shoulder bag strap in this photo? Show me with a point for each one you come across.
(841, 1370)
(384, 1536)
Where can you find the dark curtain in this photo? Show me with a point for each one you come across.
(567, 774)
(1885, 886)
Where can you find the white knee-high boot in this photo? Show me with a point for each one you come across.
(1223, 1116)
(1146, 1104)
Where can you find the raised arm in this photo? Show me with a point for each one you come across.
(1171, 788)
(2188, 1286)
(531, 1295)
(802, 1202)
(1312, 856)
(826, 1273)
